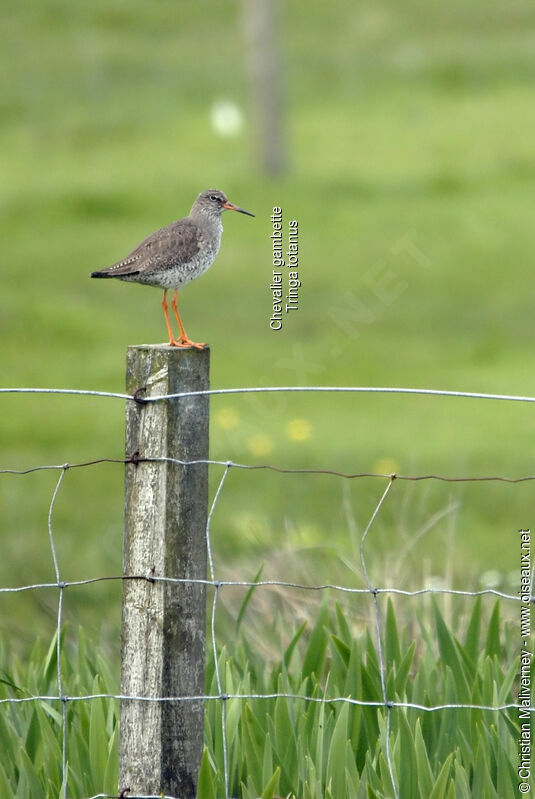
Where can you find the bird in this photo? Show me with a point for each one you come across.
(173, 256)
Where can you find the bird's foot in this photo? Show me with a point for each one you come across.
(185, 343)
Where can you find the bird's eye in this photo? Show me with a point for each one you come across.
(215, 198)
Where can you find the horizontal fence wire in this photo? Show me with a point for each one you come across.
(220, 585)
(281, 470)
(262, 584)
(284, 695)
(138, 397)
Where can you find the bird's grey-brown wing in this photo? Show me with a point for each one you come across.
(174, 245)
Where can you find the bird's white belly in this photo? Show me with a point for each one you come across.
(177, 275)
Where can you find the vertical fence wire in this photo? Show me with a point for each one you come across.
(59, 629)
(213, 632)
(379, 634)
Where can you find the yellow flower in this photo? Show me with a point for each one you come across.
(260, 444)
(227, 418)
(386, 466)
(298, 430)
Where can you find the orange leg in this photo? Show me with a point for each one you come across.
(172, 341)
(183, 341)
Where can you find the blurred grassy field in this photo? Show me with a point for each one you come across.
(411, 120)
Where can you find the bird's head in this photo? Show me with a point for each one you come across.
(213, 202)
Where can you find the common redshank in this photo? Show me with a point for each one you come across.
(172, 257)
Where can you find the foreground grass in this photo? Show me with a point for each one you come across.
(309, 748)
(402, 119)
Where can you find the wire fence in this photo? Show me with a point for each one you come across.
(219, 585)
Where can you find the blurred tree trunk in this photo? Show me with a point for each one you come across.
(265, 76)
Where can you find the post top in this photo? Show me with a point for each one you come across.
(167, 348)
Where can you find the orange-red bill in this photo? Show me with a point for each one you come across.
(232, 207)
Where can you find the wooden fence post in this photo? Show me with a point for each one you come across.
(163, 624)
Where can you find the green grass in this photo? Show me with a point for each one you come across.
(306, 747)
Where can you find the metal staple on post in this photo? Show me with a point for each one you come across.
(164, 623)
